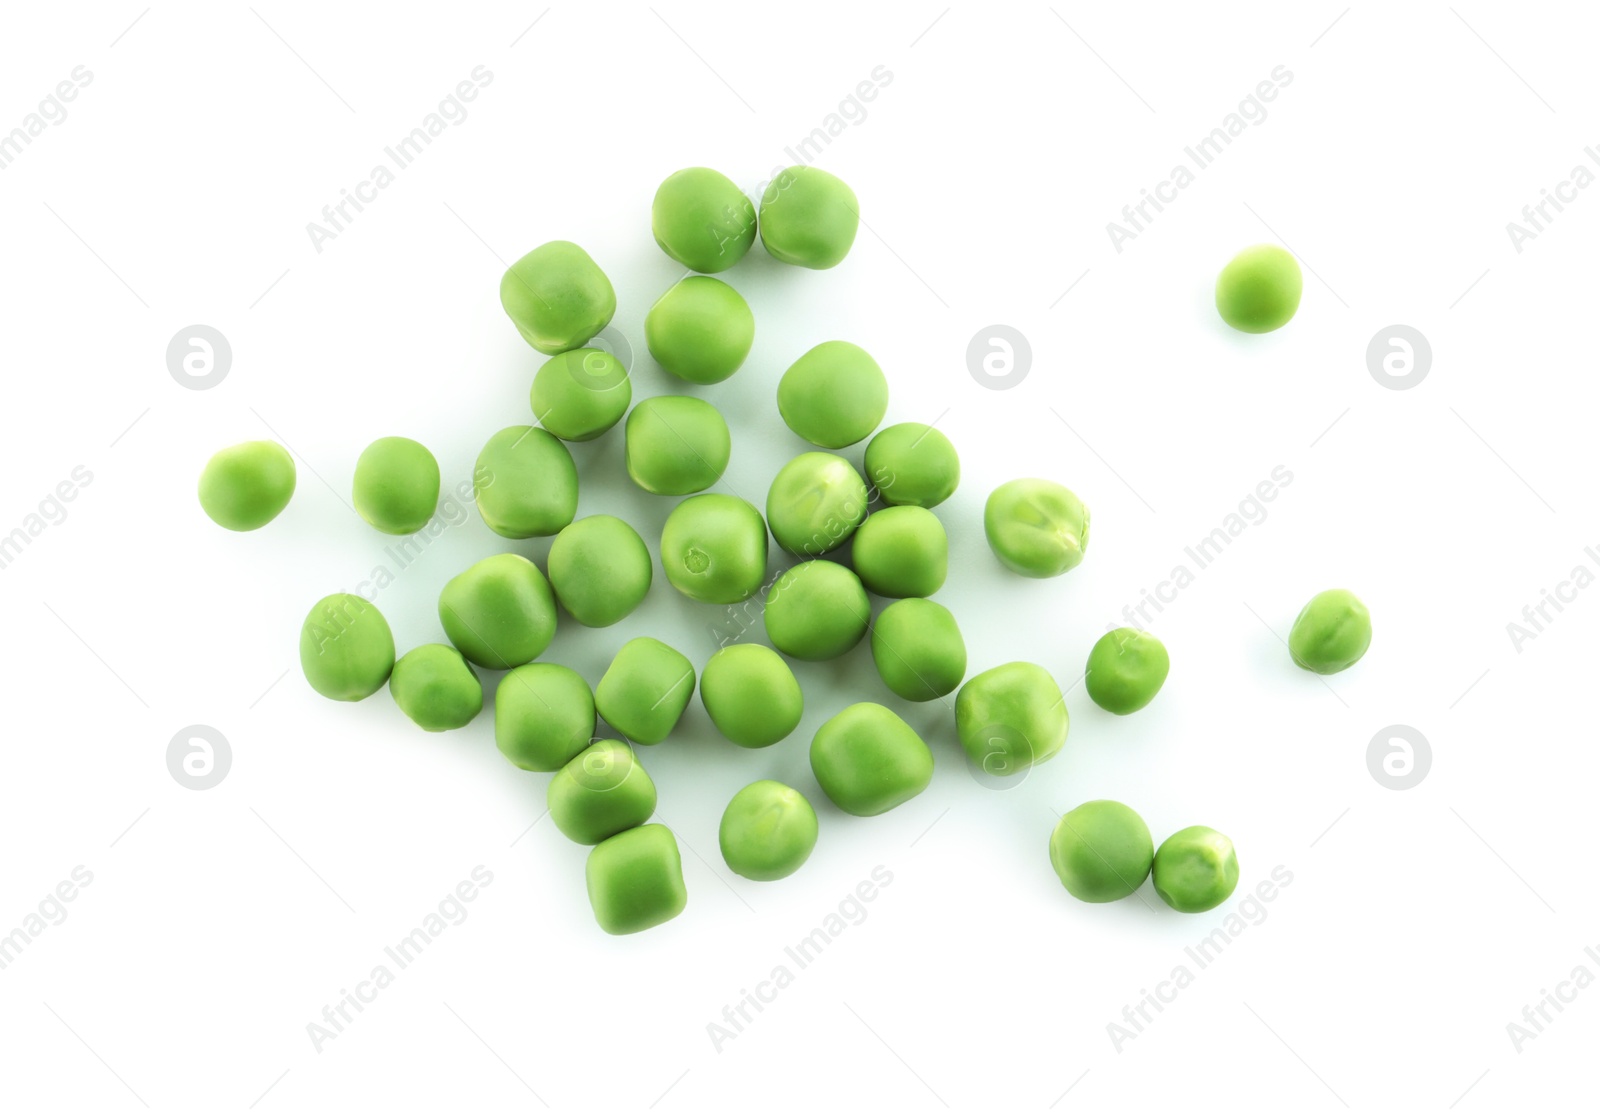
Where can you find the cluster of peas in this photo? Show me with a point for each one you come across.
(500, 614)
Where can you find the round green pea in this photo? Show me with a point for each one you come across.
(635, 880)
(557, 297)
(1196, 869)
(526, 483)
(543, 716)
(911, 463)
(714, 549)
(918, 649)
(809, 218)
(834, 395)
(816, 502)
(703, 220)
(1037, 528)
(1011, 717)
(599, 569)
(434, 686)
(1331, 633)
(1126, 670)
(1259, 290)
(817, 610)
(499, 612)
(700, 330)
(245, 486)
(751, 694)
(396, 487)
(346, 648)
(902, 552)
(601, 792)
(1101, 851)
(676, 444)
(767, 831)
(645, 690)
(580, 394)
(868, 761)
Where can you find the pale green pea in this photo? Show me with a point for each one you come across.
(1011, 717)
(751, 695)
(645, 690)
(526, 483)
(918, 649)
(245, 486)
(767, 831)
(434, 686)
(809, 218)
(1037, 528)
(834, 395)
(1101, 851)
(868, 761)
(700, 330)
(815, 504)
(702, 219)
(910, 463)
(557, 297)
(579, 395)
(346, 648)
(543, 716)
(1331, 633)
(1126, 670)
(499, 612)
(676, 444)
(902, 552)
(1196, 869)
(600, 570)
(602, 791)
(1259, 290)
(396, 485)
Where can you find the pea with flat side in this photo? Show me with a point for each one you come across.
(601, 792)
(499, 612)
(1037, 528)
(434, 686)
(868, 761)
(1196, 869)
(635, 880)
(396, 486)
(526, 483)
(1331, 633)
(767, 831)
(543, 716)
(557, 297)
(1011, 717)
(1101, 851)
(645, 690)
(346, 648)
(1126, 670)
(751, 694)
(815, 504)
(245, 486)
(702, 219)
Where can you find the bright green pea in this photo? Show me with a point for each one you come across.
(867, 760)
(918, 649)
(1331, 633)
(434, 686)
(636, 880)
(245, 486)
(580, 394)
(543, 716)
(526, 483)
(809, 218)
(645, 690)
(499, 612)
(1259, 290)
(834, 395)
(751, 694)
(676, 445)
(600, 570)
(1196, 869)
(346, 648)
(1126, 670)
(1011, 717)
(1101, 851)
(700, 330)
(1037, 528)
(601, 792)
(816, 502)
(817, 610)
(910, 463)
(714, 549)
(902, 552)
(557, 297)
(703, 220)
(767, 831)
(396, 487)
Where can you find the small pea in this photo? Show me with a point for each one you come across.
(645, 690)
(834, 395)
(245, 486)
(434, 686)
(1259, 290)
(714, 549)
(526, 483)
(1196, 869)
(1331, 633)
(1037, 528)
(600, 570)
(767, 831)
(809, 218)
(751, 695)
(676, 444)
(580, 394)
(700, 330)
(918, 649)
(817, 610)
(1011, 717)
(902, 552)
(703, 220)
(1126, 670)
(346, 648)
(557, 297)
(602, 791)
(911, 463)
(635, 880)
(499, 612)
(396, 486)
(543, 716)
(815, 504)
(1101, 851)
(868, 761)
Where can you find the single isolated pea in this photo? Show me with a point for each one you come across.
(245, 486)
(434, 686)
(500, 612)
(1196, 869)
(676, 445)
(918, 649)
(543, 716)
(700, 330)
(1037, 528)
(396, 487)
(815, 504)
(645, 690)
(868, 761)
(526, 483)
(703, 220)
(1259, 290)
(809, 218)
(817, 610)
(767, 831)
(751, 694)
(834, 395)
(580, 394)
(1011, 717)
(600, 570)
(714, 549)
(1331, 633)
(346, 648)
(601, 792)
(1126, 670)
(557, 297)
(912, 463)
(635, 880)
(902, 552)
(1101, 851)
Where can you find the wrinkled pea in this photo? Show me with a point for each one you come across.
(1331, 633)
(396, 486)
(346, 648)
(434, 686)
(635, 880)
(1196, 869)
(543, 716)
(918, 649)
(526, 483)
(1037, 528)
(676, 444)
(834, 395)
(911, 463)
(714, 549)
(579, 395)
(557, 297)
(751, 695)
(767, 831)
(1011, 717)
(499, 612)
(601, 792)
(700, 330)
(1101, 851)
(815, 504)
(600, 570)
(1259, 290)
(817, 610)
(868, 761)
(1126, 670)
(702, 219)
(809, 218)
(645, 690)
(245, 486)
(902, 552)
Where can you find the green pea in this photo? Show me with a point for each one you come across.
(700, 330)
(645, 690)
(910, 463)
(1037, 528)
(815, 504)
(1196, 869)
(1259, 290)
(1126, 670)
(834, 395)
(1101, 851)
(918, 649)
(1331, 633)
(601, 792)
(676, 445)
(434, 686)
(245, 486)
(767, 831)
(703, 220)
(714, 549)
(346, 648)
(599, 569)
(635, 880)
(543, 716)
(902, 552)
(396, 487)
(751, 694)
(1011, 717)
(499, 612)
(817, 610)
(557, 297)
(868, 761)
(580, 394)
(526, 483)
(809, 218)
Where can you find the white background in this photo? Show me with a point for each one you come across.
(219, 923)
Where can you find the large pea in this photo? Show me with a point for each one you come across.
(434, 686)
(601, 792)
(817, 610)
(1126, 670)
(702, 219)
(579, 395)
(867, 760)
(676, 444)
(809, 218)
(645, 690)
(599, 569)
(834, 395)
(635, 880)
(396, 486)
(700, 330)
(543, 716)
(557, 297)
(1331, 633)
(902, 552)
(714, 549)
(526, 483)
(1037, 528)
(918, 649)
(499, 612)
(1259, 290)
(767, 831)
(1011, 717)
(1101, 851)
(1195, 869)
(912, 463)
(751, 694)
(346, 648)
(245, 486)
(815, 504)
